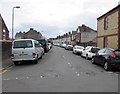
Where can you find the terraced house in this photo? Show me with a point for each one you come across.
(4, 32)
(108, 28)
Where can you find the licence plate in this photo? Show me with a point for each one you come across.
(23, 54)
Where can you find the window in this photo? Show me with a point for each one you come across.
(117, 52)
(102, 51)
(23, 44)
(86, 48)
(106, 23)
(4, 34)
(105, 42)
(95, 50)
(37, 44)
(108, 51)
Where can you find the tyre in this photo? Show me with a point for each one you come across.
(41, 57)
(87, 57)
(73, 52)
(106, 66)
(36, 61)
(81, 54)
(93, 60)
(15, 63)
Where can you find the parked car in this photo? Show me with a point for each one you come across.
(108, 57)
(49, 45)
(63, 45)
(89, 52)
(44, 44)
(25, 50)
(69, 47)
(78, 49)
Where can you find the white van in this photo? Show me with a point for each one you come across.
(25, 50)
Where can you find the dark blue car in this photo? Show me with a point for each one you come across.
(107, 57)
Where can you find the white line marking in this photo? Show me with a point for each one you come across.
(69, 63)
(27, 77)
(78, 74)
(41, 76)
(16, 78)
(5, 79)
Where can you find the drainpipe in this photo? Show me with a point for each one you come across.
(119, 27)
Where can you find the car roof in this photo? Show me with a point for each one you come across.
(109, 48)
(78, 46)
(92, 46)
(24, 39)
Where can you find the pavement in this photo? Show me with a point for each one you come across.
(6, 63)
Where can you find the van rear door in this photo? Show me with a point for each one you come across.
(23, 50)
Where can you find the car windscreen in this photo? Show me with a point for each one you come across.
(79, 47)
(23, 44)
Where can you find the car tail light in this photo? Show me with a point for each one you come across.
(34, 54)
(112, 54)
(12, 56)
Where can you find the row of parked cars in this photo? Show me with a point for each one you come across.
(109, 58)
(29, 50)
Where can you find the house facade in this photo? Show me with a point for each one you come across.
(31, 34)
(87, 35)
(108, 28)
(4, 32)
(82, 36)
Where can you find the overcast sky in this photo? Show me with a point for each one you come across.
(54, 17)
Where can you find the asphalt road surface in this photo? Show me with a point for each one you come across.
(59, 71)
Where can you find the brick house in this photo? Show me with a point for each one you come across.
(82, 36)
(108, 28)
(86, 35)
(4, 32)
(31, 34)
(68, 38)
(74, 37)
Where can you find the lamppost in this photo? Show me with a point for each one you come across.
(13, 20)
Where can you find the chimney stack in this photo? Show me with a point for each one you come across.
(119, 3)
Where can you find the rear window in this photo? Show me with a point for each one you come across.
(43, 42)
(23, 44)
(117, 53)
(79, 47)
(95, 50)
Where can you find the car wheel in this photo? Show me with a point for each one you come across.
(87, 57)
(93, 60)
(73, 52)
(106, 66)
(16, 63)
(41, 57)
(81, 54)
(36, 61)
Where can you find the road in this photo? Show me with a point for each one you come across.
(59, 71)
